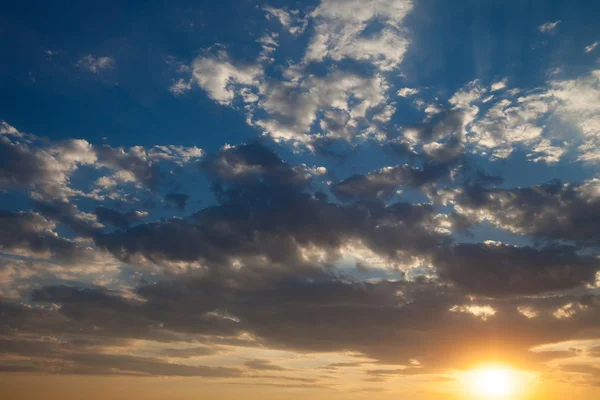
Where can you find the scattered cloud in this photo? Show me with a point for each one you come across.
(549, 27)
(96, 64)
(591, 47)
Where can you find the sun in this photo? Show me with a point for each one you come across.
(492, 382)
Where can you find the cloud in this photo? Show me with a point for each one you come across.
(290, 20)
(535, 121)
(67, 361)
(407, 92)
(549, 27)
(385, 182)
(190, 352)
(116, 218)
(311, 313)
(96, 65)
(33, 164)
(499, 85)
(348, 102)
(46, 170)
(495, 269)
(313, 110)
(252, 181)
(180, 87)
(553, 211)
(263, 365)
(222, 79)
(591, 47)
(30, 234)
(342, 31)
(578, 101)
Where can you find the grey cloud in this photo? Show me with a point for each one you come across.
(19, 166)
(263, 365)
(264, 208)
(116, 218)
(501, 270)
(319, 314)
(441, 137)
(31, 234)
(552, 211)
(384, 182)
(391, 322)
(66, 360)
(113, 217)
(134, 161)
(190, 352)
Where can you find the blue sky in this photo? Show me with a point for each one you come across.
(276, 152)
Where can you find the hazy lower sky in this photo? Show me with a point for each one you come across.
(341, 199)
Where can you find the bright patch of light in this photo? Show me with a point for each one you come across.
(495, 383)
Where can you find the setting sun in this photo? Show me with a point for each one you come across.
(493, 382)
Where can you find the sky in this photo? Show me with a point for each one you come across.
(341, 199)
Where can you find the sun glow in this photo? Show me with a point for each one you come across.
(494, 383)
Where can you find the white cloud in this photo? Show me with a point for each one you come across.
(407, 92)
(181, 86)
(44, 168)
(528, 312)
(530, 122)
(290, 20)
(579, 104)
(549, 27)
(6, 129)
(300, 107)
(269, 45)
(222, 79)
(178, 154)
(482, 312)
(346, 102)
(498, 85)
(591, 47)
(568, 311)
(507, 124)
(340, 31)
(96, 65)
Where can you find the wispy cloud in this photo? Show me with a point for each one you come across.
(549, 27)
(96, 64)
(591, 47)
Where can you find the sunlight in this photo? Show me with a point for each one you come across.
(493, 382)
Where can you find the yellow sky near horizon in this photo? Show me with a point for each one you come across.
(69, 387)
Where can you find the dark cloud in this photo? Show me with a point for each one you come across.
(135, 162)
(553, 211)
(265, 209)
(65, 360)
(261, 262)
(31, 234)
(440, 137)
(385, 182)
(393, 322)
(117, 219)
(19, 166)
(493, 269)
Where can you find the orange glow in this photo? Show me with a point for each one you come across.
(495, 382)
